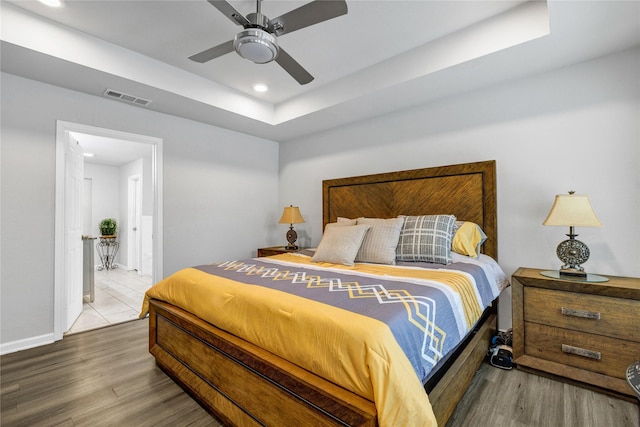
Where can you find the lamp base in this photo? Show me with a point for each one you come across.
(573, 273)
(292, 236)
(572, 253)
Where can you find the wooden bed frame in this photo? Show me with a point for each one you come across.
(244, 385)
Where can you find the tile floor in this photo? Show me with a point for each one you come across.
(118, 298)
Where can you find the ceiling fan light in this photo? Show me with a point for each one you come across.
(256, 45)
(52, 3)
(260, 87)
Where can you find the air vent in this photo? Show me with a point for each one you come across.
(126, 97)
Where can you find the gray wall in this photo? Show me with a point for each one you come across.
(220, 192)
(576, 128)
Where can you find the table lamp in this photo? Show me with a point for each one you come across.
(291, 215)
(572, 210)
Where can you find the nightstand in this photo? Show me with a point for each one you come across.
(276, 250)
(582, 332)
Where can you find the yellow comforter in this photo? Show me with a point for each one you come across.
(364, 358)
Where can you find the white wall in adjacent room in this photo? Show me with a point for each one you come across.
(105, 202)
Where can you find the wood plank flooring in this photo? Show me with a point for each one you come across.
(514, 398)
(106, 377)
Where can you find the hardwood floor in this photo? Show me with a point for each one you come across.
(514, 398)
(106, 377)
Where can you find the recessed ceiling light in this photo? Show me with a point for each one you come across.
(260, 87)
(52, 3)
(89, 154)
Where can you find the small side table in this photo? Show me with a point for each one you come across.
(276, 250)
(584, 332)
(107, 250)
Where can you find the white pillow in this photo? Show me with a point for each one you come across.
(346, 221)
(340, 243)
(379, 244)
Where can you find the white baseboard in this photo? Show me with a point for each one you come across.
(24, 344)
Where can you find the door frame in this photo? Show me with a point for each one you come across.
(63, 129)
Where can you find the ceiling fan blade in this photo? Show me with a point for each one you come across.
(230, 12)
(290, 65)
(306, 15)
(212, 53)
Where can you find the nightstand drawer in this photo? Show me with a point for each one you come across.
(595, 353)
(611, 317)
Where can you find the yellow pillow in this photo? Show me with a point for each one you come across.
(468, 239)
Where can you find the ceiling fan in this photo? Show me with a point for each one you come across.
(257, 42)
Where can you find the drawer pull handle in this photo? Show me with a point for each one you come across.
(591, 354)
(581, 313)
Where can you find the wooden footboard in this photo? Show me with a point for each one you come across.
(244, 385)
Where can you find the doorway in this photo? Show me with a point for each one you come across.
(66, 131)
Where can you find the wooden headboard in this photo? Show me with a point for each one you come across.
(467, 191)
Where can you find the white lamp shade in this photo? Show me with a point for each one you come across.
(291, 215)
(572, 210)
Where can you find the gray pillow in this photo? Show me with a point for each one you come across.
(340, 243)
(379, 244)
(426, 238)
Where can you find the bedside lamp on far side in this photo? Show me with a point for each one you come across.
(572, 210)
(291, 215)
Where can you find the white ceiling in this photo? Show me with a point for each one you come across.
(382, 56)
(111, 151)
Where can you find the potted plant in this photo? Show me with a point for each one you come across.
(108, 226)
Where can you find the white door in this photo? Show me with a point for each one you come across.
(135, 206)
(73, 215)
(87, 198)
